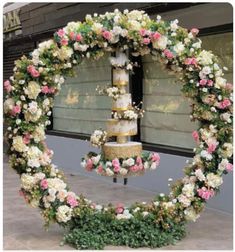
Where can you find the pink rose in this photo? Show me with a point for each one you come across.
(190, 61)
(44, 184)
(35, 73)
(61, 33)
(155, 157)
(229, 167)
(134, 168)
(115, 162)
(139, 160)
(168, 54)
(212, 144)
(100, 169)
(72, 35)
(89, 164)
(146, 41)
(210, 83)
(107, 35)
(71, 200)
(194, 31)
(224, 104)
(64, 41)
(205, 193)
(45, 89)
(143, 32)
(26, 138)
(7, 86)
(16, 110)
(195, 136)
(78, 37)
(156, 35)
(203, 82)
(30, 68)
(119, 208)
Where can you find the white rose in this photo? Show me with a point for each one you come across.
(109, 172)
(80, 47)
(206, 155)
(179, 48)
(56, 184)
(153, 166)
(18, 144)
(227, 150)
(226, 117)
(61, 195)
(190, 214)
(214, 180)
(123, 171)
(223, 164)
(97, 27)
(199, 174)
(146, 165)
(8, 105)
(34, 163)
(64, 213)
(161, 43)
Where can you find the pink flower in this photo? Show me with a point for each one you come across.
(44, 184)
(155, 157)
(71, 200)
(100, 169)
(16, 110)
(229, 86)
(212, 144)
(72, 35)
(156, 35)
(7, 86)
(64, 41)
(204, 193)
(32, 70)
(224, 104)
(190, 61)
(194, 31)
(78, 37)
(52, 90)
(146, 41)
(143, 32)
(115, 162)
(89, 164)
(168, 54)
(210, 83)
(195, 136)
(134, 168)
(107, 35)
(61, 33)
(119, 208)
(45, 89)
(139, 161)
(26, 138)
(229, 167)
(203, 82)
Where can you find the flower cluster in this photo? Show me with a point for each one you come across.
(29, 99)
(120, 166)
(110, 91)
(98, 138)
(130, 114)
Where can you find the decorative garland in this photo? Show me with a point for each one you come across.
(29, 99)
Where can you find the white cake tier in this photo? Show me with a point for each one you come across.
(122, 103)
(121, 127)
(120, 77)
(114, 150)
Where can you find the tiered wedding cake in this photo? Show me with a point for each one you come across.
(122, 126)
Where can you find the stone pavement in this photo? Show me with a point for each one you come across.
(23, 225)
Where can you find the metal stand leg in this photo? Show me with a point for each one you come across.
(114, 180)
(125, 181)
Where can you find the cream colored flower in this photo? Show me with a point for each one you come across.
(61, 195)
(190, 214)
(227, 150)
(123, 171)
(199, 174)
(8, 105)
(64, 53)
(188, 190)
(56, 184)
(27, 181)
(220, 82)
(161, 43)
(39, 134)
(18, 144)
(214, 180)
(97, 28)
(205, 57)
(109, 172)
(32, 90)
(179, 48)
(184, 200)
(64, 213)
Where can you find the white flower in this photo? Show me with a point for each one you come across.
(146, 165)
(97, 27)
(18, 144)
(174, 25)
(206, 155)
(83, 163)
(80, 47)
(161, 43)
(33, 107)
(153, 166)
(98, 208)
(145, 213)
(27, 181)
(64, 213)
(227, 150)
(109, 172)
(199, 174)
(32, 90)
(184, 200)
(124, 215)
(56, 184)
(188, 190)
(220, 82)
(8, 105)
(223, 164)
(214, 180)
(123, 171)
(39, 134)
(205, 58)
(61, 195)
(190, 214)
(136, 209)
(33, 163)
(96, 159)
(64, 53)
(179, 48)
(128, 162)
(108, 164)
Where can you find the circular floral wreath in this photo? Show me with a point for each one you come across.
(29, 99)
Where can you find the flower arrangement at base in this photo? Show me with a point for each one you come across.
(120, 166)
(29, 99)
